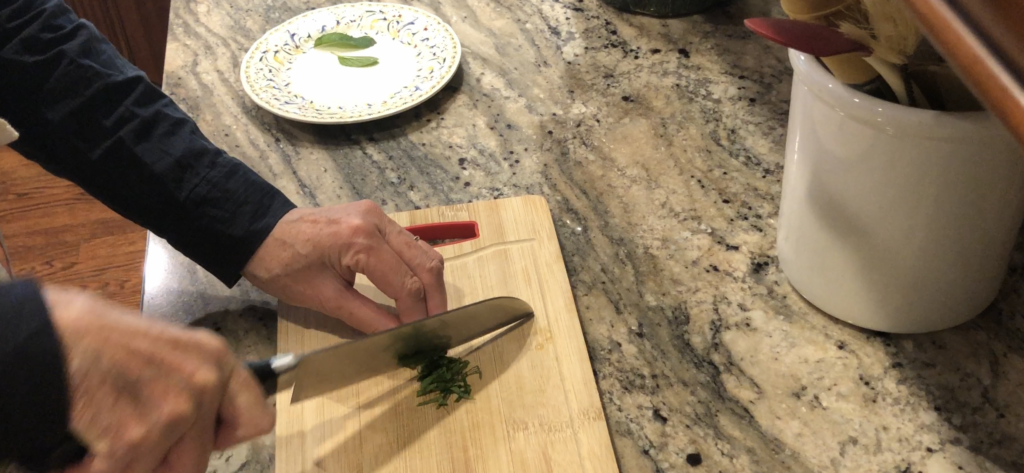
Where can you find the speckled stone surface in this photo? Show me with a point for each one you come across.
(659, 146)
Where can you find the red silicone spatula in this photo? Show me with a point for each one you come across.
(822, 41)
(816, 40)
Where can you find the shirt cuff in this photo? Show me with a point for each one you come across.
(34, 404)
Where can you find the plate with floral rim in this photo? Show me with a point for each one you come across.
(417, 55)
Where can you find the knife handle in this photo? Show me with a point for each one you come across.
(264, 372)
(68, 454)
(268, 371)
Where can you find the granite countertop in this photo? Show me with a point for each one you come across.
(659, 146)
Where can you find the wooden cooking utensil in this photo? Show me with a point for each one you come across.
(849, 69)
(822, 41)
(816, 40)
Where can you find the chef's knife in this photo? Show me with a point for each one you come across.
(341, 365)
(335, 367)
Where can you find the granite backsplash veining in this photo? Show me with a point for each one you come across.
(659, 146)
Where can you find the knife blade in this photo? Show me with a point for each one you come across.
(335, 367)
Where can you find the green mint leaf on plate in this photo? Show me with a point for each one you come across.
(357, 61)
(343, 41)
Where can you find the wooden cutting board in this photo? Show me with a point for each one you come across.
(537, 407)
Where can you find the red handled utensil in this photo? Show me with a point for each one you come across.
(822, 41)
(809, 38)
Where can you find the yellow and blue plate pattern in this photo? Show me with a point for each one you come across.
(267, 69)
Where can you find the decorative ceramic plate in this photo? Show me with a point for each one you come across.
(417, 53)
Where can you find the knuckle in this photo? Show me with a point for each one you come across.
(413, 288)
(356, 260)
(367, 207)
(436, 264)
(133, 437)
(178, 413)
(213, 345)
(206, 379)
(359, 227)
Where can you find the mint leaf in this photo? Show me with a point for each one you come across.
(357, 61)
(343, 41)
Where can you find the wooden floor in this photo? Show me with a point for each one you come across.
(56, 233)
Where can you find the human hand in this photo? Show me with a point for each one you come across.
(149, 396)
(312, 256)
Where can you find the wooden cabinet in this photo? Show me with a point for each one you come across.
(984, 41)
(138, 28)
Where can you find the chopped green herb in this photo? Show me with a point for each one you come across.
(357, 61)
(440, 376)
(343, 41)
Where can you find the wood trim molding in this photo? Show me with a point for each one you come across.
(968, 44)
(137, 28)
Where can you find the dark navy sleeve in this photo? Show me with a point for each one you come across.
(88, 115)
(33, 394)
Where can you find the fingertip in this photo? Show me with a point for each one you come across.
(433, 278)
(409, 314)
(363, 314)
(438, 305)
(258, 425)
(270, 421)
(383, 324)
(244, 413)
(267, 421)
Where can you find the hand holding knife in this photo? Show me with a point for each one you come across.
(323, 371)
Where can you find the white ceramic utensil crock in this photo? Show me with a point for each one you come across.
(893, 218)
